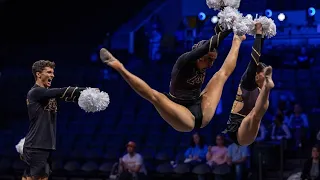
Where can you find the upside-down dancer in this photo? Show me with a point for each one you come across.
(186, 107)
(252, 99)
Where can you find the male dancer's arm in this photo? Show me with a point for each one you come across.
(206, 47)
(66, 93)
(248, 81)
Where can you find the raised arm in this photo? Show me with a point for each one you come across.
(67, 93)
(248, 81)
(204, 48)
(248, 78)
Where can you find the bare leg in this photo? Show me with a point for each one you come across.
(212, 93)
(179, 117)
(250, 125)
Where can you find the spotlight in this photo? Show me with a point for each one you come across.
(281, 17)
(249, 16)
(311, 11)
(202, 16)
(214, 19)
(268, 13)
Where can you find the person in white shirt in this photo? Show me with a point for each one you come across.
(131, 164)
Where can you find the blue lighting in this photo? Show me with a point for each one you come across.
(202, 16)
(268, 13)
(311, 11)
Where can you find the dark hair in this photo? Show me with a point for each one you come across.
(200, 43)
(39, 66)
(260, 67)
(317, 147)
(220, 135)
(201, 140)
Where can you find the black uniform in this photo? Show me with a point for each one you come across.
(41, 138)
(249, 91)
(187, 79)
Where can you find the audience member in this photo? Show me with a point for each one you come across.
(131, 165)
(217, 158)
(236, 158)
(303, 60)
(196, 153)
(279, 129)
(154, 42)
(298, 122)
(311, 167)
(262, 133)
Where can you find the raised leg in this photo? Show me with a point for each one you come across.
(250, 125)
(212, 93)
(179, 117)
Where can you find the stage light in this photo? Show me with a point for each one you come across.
(249, 16)
(214, 19)
(281, 17)
(268, 13)
(311, 11)
(202, 16)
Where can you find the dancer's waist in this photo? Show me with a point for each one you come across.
(184, 97)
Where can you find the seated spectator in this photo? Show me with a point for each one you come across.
(303, 60)
(262, 133)
(237, 157)
(279, 129)
(196, 153)
(131, 165)
(311, 167)
(217, 159)
(298, 122)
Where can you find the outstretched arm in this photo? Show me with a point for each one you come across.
(248, 78)
(66, 93)
(203, 49)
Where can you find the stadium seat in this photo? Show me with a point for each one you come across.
(57, 167)
(165, 168)
(201, 169)
(90, 167)
(182, 168)
(72, 167)
(106, 168)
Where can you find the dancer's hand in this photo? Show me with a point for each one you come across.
(258, 28)
(239, 38)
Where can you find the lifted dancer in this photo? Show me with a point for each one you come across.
(186, 107)
(252, 100)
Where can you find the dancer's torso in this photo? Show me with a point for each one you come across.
(42, 128)
(245, 101)
(186, 80)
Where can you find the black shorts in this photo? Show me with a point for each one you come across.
(38, 162)
(233, 125)
(194, 107)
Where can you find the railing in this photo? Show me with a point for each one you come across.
(281, 146)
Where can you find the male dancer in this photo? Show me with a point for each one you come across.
(186, 107)
(42, 109)
(252, 100)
